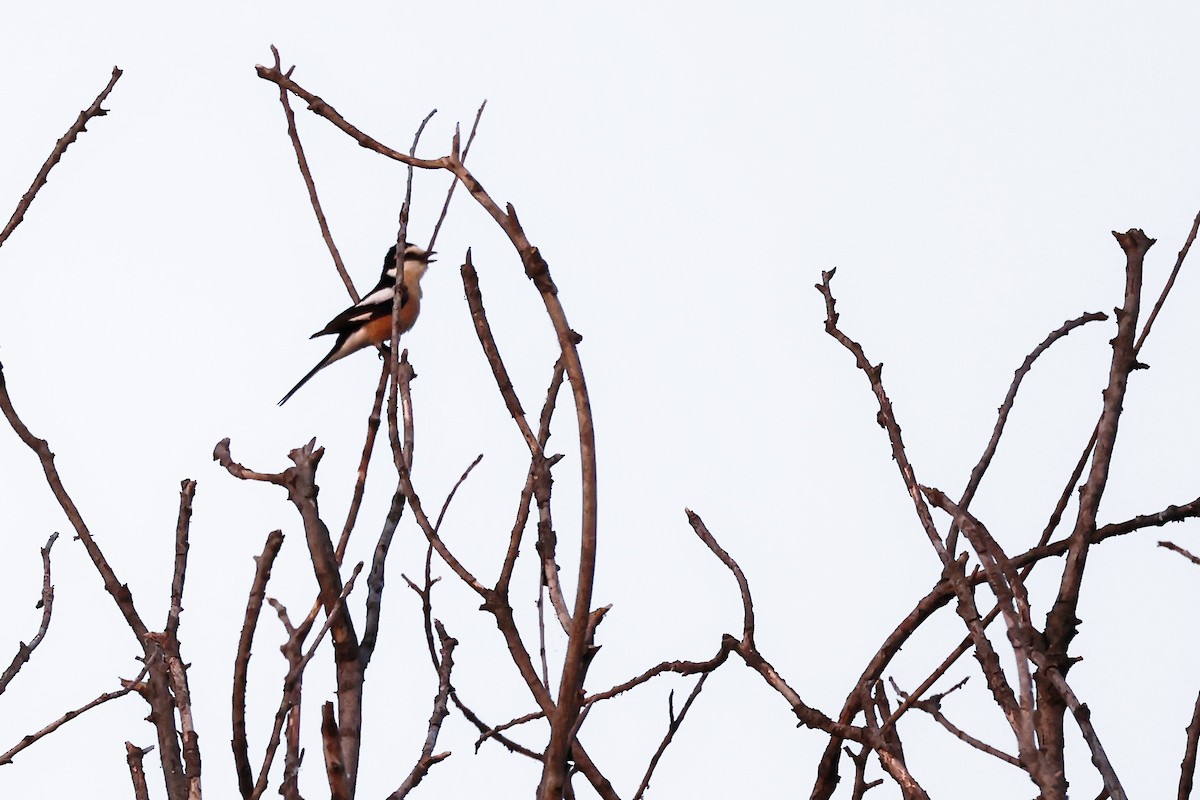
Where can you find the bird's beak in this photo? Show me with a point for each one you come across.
(430, 256)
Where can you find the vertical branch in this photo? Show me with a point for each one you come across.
(1135, 244)
(401, 457)
(437, 227)
(241, 663)
(25, 651)
(364, 462)
(186, 494)
(1061, 622)
(137, 772)
(1187, 768)
(441, 709)
(302, 491)
(335, 768)
(289, 787)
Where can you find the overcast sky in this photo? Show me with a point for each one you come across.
(688, 170)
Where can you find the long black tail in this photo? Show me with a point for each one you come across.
(320, 365)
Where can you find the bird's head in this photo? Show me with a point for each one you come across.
(416, 261)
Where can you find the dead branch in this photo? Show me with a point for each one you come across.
(241, 663)
(887, 743)
(1185, 553)
(335, 768)
(437, 227)
(133, 757)
(289, 704)
(26, 741)
(1135, 244)
(1061, 622)
(310, 185)
(1083, 717)
(186, 494)
(1005, 409)
(360, 482)
(440, 710)
(886, 417)
(1187, 768)
(1162, 298)
(933, 707)
(25, 651)
(321, 108)
(673, 724)
(60, 147)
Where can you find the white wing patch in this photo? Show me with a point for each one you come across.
(381, 295)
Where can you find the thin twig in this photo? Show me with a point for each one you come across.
(1185, 553)
(454, 183)
(672, 726)
(25, 651)
(360, 482)
(1005, 409)
(440, 710)
(306, 173)
(60, 147)
(933, 707)
(294, 675)
(1162, 298)
(128, 686)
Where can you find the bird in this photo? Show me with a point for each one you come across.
(369, 321)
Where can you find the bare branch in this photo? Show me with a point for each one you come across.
(672, 726)
(117, 590)
(306, 173)
(1060, 625)
(1187, 768)
(323, 109)
(60, 147)
(186, 494)
(491, 351)
(289, 702)
(25, 651)
(886, 416)
(133, 757)
(128, 686)
(360, 483)
(1083, 717)
(1185, 553)
(454, 183)
(933, 707)
(1005, 409)
(335, 769)
(440, 710)
(241, 663)
(1162, 298)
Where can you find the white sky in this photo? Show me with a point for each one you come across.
(688, 171)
